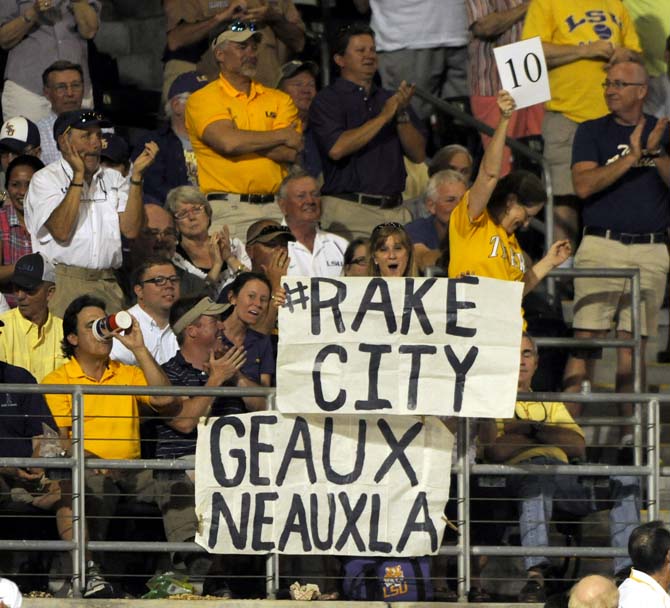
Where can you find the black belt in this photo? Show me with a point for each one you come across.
(254, 199)
(386, 202)
(627, 238)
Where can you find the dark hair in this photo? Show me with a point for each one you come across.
(20, 161)
(344, 34)
(648, 546)
(242, 279)
(351, 249)
(524, 185)
(61, 65)
(180, 308)
(70, 319)
(150, 262)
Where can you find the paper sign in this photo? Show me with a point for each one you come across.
(523, 71)
(338, 485)
(399, 346)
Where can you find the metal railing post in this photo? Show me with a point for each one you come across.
(78, 494)
(463, 506)
(272, 559)
(636, 299)
(654, 459)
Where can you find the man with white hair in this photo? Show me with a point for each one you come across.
(445, 189)
(243, 134)
(175, 163)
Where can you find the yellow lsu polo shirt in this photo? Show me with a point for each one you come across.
(264, 109)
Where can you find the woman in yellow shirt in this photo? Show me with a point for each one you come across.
(482, 226)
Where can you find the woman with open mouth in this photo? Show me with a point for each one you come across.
(391, 252)
(250, 296)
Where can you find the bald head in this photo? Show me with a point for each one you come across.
(594, 591)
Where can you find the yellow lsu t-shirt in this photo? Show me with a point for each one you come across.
(482, 247)
(263, 109)
(576, 87)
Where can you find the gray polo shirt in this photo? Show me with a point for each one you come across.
(55, 37)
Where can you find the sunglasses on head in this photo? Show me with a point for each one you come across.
(241, 26)
(394, 225)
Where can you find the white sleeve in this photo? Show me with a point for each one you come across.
(43, 197)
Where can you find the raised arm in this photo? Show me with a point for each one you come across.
(86, 17)
(132, 218)
(184, 34)
(489, 169)
(16, 29)
(288, 27)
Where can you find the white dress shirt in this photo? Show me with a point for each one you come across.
(326, 260)
(160, 342)
(96, 242)
(640, 590)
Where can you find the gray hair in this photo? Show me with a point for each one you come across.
(444, 155)
(296, 173)
(447, 176)
(187, 195)
(183, 97)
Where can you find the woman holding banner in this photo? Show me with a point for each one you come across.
(482, 227)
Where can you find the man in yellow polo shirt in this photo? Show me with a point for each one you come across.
(32, 335)
(111, 422)
(544, 433)
(243, 134)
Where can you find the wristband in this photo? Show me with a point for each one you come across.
(402, 117)
(136, 182)
(76, 185)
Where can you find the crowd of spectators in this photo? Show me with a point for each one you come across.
(259, 173)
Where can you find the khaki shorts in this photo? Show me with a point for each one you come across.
(354, 220)
(558, 133)
(239, 216)
(600, 301)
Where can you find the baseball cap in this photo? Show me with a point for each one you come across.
(79, 119)
(268, 233)
(10, 594)
(18, 133)
(206, 306)
(30, 270)
(291, 68)
(188, 82)
(114, 148)
(237, 31)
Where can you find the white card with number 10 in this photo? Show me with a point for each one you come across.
(523, 71)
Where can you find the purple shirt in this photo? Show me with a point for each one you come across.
(377, 168)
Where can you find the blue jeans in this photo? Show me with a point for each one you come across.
(538, 493)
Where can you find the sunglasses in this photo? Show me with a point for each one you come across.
(275, 230)
(241, 26)
(394, 225)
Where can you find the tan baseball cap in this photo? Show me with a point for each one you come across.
(237, 31)
(206, 306)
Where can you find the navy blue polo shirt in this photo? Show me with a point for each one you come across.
(378, 167)
(422, 230)
(638, 201)
(21, 414)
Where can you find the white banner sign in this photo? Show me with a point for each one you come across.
(340, 485)
(399, 346)
(523, 71)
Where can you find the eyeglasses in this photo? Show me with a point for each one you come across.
(620, 84)
(241, 26)
(276, 230)
(63, 87)
(160, 281)
(360, 261)
(192, 210)
(168, 233)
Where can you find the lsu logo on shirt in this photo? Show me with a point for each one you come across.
(597, 20)
(514, 258)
